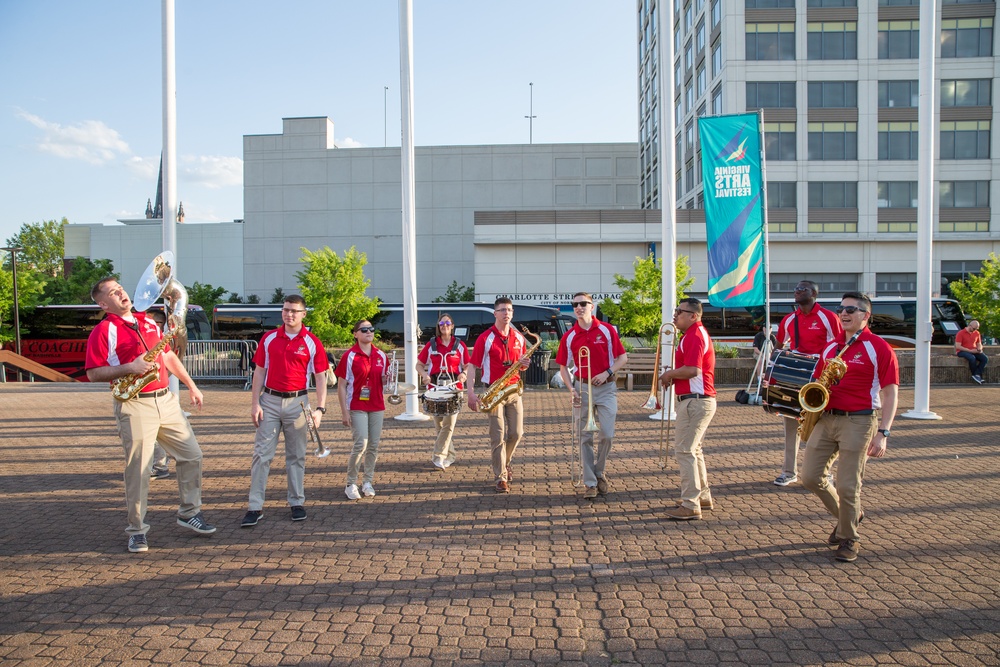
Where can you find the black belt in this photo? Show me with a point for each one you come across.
(845, 413)
(154, 394)
(285, 394)
(684, 397)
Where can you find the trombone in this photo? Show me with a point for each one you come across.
(321, 450)
(576, 434)
(663, 400)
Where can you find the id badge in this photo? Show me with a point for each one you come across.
(366, 394)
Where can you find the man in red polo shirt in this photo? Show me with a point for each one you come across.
(856, 422)
(806, 330)
(693, 377)
(284, 360)
(969, 346)
(596, 378)
(115, 349)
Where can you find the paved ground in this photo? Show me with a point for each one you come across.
(440, 570)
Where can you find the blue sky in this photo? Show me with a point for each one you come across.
(80, 89)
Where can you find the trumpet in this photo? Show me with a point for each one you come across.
(663, 400)
(321, 450)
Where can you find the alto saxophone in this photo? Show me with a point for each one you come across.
(128, 386)
(814, 396)
(499, 390)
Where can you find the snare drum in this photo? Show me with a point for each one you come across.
(441, 402)
(787, 372)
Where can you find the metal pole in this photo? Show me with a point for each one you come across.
(17, 315)
(169, 221)
(385, 119)
(531, 112)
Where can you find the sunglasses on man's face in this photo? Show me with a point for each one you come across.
(850, 310)
(366, 329)
(581, 304)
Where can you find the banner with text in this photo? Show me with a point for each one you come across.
(734, 209)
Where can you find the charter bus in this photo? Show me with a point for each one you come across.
(56, 336)
(894, 318)
(239, 321)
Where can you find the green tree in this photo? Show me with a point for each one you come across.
(29, 293)
(253, 298)
(334, 288)
(75, 288)
(980, 296)
(206, 296)
(235, 298)
(42, 244)
(455, 293)
(278, 296)
(638, 312)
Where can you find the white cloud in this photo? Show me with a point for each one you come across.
(347, 142)
(91, 140)
(212, 171)
(144, 168)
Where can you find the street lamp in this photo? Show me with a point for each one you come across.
(17, 320)
(385, 117)
(531, 112)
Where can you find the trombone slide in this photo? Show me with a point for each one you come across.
(321, 450)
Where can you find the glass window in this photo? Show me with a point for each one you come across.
(833, 94)
(717, 59)
(833, 141)
(833, 194)
(965, 140)
(781, 194)
(779, 141)
(966, 93)
(965, 194)
(699, 40)
(770, 95)
(717, 101)
(899, 3)
(689, 134)
(832, 40)
(770, 4)
(689, 178)
(770, 41)
(688, 18)
(716, 13)
(895, 284)
(966, 38)
(898, 94)
(898, 140)
(897, 194)
(955, 270)
(688, 56)
(702, 78)
(677, 38)
(689, 97)
(832, 3)
(898, 39)
(828, 283)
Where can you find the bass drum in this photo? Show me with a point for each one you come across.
(787, 372)
(441, 402)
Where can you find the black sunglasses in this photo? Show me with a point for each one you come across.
(850, 310)
(581, 304)
(366, 329)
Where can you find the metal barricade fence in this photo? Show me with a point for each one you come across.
(220, 360)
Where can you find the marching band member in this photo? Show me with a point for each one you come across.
(693, 377)
(856, 422)
(806, 330)
(496, 350)
(597, 378)
(362, 370)
(447, 356)
(283, 362)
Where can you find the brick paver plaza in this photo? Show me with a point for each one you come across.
(438, 569)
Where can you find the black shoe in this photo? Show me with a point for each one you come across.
(159, 474)
(251, 518)
(834, 540)
(848, 551)
(298, 513)
(137, 544)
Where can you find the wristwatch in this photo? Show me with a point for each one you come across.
(611, 374)
(884, 432)
(321, 410)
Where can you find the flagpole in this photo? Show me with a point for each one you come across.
(767, 247)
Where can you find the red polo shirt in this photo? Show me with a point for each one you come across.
(360, 370)
(696, 349)
(289, 361)
(968, 339)
(871, 365)
(116, 342)
(602, 342)
(815, 330)
(455, 353)
(496, 354)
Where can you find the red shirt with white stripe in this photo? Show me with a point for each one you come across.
(602, 342)
(360, 370)
(289, 361)
(871, 366)
(816, 330)
(116, 342)
(495, 354)
(456, 354)
(695, 349)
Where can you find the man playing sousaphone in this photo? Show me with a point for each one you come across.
(498, 350)
(589, 356)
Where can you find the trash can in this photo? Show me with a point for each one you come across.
(536, 373)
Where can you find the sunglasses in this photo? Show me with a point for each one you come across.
(682, 310)
(446, 323)
(366, 329)
(850, 310)
(581, 304)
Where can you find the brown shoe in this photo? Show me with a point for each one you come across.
(503, 487)
(603, 485)
(848, 551)
(706, 505)
(834, 540)
(590, 493)
(683, 514)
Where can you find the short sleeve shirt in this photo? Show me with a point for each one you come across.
(871, 366)
(495, 354)
(968, 339)
(358, 371)
(695, 349)
(116, 342)
(815, 331)
(455, 354)
(288, 362)
(602, 343)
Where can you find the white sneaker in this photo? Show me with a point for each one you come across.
(352, 492)
(447, 463)
(784, 479)
(439, 462)
(368, 490)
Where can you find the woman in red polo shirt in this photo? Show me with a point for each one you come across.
(447, 356)
(362, 370)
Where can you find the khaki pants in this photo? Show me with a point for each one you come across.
(281, 415)
(791, 465)
(506, 431)
(605, 412)
(848, 436)
(693, 417)
(366, 429)
(142, 422)
(444, 449)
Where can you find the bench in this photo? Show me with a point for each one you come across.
(639, 363)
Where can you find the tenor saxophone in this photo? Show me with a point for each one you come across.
(814, 396)
(499, 390)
